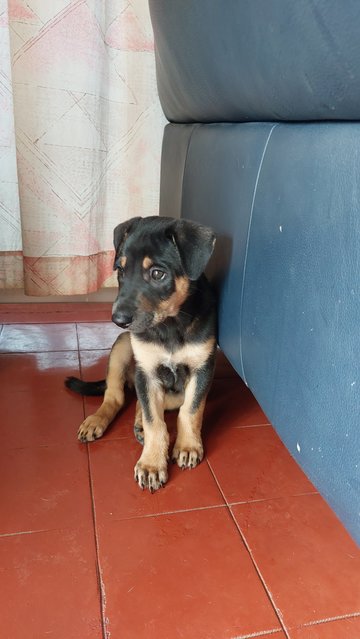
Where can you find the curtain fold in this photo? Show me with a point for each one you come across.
(80, 138)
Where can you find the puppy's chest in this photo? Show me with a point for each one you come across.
(154, 357)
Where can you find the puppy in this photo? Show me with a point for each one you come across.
(167, 306)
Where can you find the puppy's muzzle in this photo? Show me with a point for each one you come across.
(121, 319)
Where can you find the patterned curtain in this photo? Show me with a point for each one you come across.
(80, 137)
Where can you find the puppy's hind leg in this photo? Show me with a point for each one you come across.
(138, 426)
(120, 360)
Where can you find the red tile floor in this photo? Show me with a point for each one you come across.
(243, 546)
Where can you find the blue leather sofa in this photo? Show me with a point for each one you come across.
(263, 144)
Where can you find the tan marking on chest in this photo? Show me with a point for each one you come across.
(149, 356)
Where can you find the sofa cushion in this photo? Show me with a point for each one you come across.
(232, 60)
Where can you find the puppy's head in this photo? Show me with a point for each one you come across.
(157, 258)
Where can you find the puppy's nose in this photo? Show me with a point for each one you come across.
(121, 319)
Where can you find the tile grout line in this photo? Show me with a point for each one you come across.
(77, 337)
(255, 635)
(225, 505)
(48, 445)
(80, 366)
(51, 350)
(259, 501)
(319, 622)
(168, 512)
(265, 424)
(102, 592)
(243, 539)
(267, 590)
(32, 532)
(56, 350)
(101, 585)
(38, 531)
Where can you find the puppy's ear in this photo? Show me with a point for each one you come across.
(195, 244)
(121, 231)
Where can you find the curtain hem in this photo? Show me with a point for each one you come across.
(42, 276)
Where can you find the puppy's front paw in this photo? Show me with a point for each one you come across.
(187, 456)
(150, 477)
(92, 428)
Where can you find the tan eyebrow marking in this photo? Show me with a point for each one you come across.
(123, 261)
(147, 262)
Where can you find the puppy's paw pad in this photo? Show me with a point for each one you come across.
(187, 457)
(150, 477)
(92, 428)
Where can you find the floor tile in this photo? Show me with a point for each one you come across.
(339, 629)
(34, 371)
(44, 487)
(230, 403)
(38, 337)
(97, 336)
(309, 563)
(117, 496)
(308, 560)
(37, 407)
(49, 586)
(40, 417)
(94, 364)
(176, 576)
(252, 463)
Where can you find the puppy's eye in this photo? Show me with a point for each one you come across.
(157, 274)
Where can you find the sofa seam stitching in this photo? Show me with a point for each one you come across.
(247, 249)
(194, 126)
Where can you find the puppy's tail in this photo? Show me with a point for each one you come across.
(85, 388)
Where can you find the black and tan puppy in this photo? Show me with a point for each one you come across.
(167, 305)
